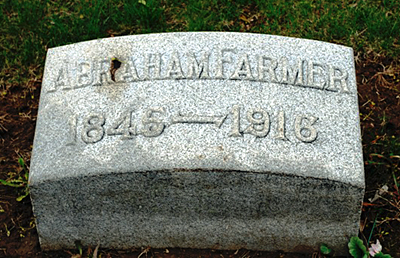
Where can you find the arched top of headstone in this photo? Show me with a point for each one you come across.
(200, 88)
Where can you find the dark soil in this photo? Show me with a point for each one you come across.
(379, 100)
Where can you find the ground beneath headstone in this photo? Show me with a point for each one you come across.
(378, 80)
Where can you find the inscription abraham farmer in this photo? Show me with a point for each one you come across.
(303, 72)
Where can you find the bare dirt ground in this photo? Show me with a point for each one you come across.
(379, 100)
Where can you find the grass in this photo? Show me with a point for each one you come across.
(30, 27)
(18, 180)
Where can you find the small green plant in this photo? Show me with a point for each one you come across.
(325, 249)
(357, 249)
(19, 181)
(78, 245)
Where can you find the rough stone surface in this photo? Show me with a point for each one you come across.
(198, 140)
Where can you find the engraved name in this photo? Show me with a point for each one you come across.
(153, 121)
(222, 64)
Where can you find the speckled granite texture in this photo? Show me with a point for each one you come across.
(198, 140)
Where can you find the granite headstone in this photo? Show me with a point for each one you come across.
(198, 140)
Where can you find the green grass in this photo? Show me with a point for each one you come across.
(18, 180)
(30, 27)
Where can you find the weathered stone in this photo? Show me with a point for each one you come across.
(198, 140)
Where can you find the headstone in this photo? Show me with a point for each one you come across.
(198, 140)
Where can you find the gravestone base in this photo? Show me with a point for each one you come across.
(202, 209)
